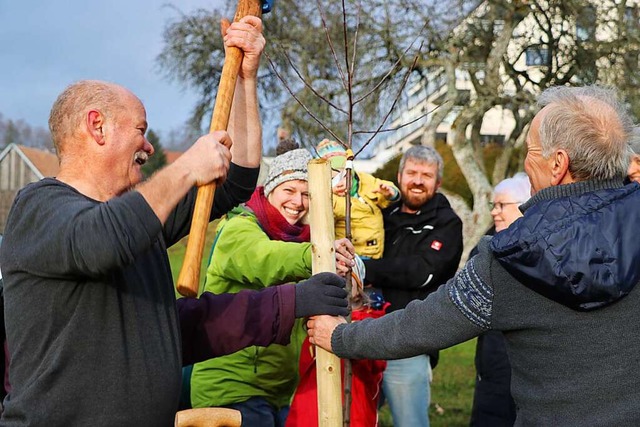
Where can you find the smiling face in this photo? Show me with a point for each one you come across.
(418, 184)
(505, 211)
(291, 199)
(124, 134)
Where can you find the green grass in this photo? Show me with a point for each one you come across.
(451, 389)
(176, 254)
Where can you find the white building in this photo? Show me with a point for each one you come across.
(528, 52)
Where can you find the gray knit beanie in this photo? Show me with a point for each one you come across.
(287, 167)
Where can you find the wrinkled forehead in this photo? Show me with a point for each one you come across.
(533, 134)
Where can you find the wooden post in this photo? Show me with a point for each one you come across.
(322, 238)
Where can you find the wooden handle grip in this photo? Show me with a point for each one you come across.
(189, 277)
(209, 417)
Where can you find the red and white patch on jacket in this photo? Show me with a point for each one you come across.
(436, 245)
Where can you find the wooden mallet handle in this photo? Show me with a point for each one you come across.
(208, 417)
(189, 278)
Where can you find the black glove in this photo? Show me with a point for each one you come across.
(322, 293)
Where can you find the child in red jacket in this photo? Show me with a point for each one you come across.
(366, 377)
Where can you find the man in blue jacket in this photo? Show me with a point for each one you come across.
(560, 282)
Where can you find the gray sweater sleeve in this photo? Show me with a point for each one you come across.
(61, 233)
(456, 312)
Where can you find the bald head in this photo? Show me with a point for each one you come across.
(68, 113)
(591, 125)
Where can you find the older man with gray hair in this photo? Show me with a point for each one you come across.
(560, 282)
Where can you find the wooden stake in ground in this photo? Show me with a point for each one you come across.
(189, 279)
(322, 238)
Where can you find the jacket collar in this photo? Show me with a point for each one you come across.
(438, 200)
(573, 244)
(573, 189)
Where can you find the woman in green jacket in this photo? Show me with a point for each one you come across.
(263, 243)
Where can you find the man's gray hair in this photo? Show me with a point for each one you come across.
(591, 125)
(518, 188)
(422, 154)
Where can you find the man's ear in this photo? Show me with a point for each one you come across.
(560, 168)
(95, 126)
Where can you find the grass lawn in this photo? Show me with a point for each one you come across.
(176, 254)
(451, 389)
(453, 378)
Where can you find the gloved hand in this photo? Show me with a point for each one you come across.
(322, 293)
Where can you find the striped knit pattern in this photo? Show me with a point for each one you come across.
(472, 296)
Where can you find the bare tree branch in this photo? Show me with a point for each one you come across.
(355, 39)
(386, 116)
(391, 69)
(309, 86)
(333, 51)
(403, 125)
(349, 67)
(313, 116)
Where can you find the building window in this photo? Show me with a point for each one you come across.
(537, 56)
(586, 24)
(491, 139)
(463, 97)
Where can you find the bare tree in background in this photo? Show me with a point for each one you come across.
(486, 44)
(20, 132)
(159, 158)
(506, 53)
(387, 36)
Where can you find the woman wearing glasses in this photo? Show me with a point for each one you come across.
(492, 402)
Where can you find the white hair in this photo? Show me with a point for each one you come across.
(518, 187)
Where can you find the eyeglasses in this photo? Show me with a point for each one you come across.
(501, 205)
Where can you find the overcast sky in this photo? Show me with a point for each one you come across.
(45, 45)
